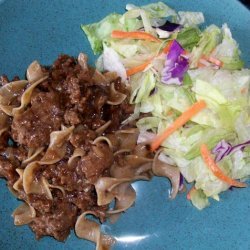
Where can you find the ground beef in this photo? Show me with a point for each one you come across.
(4, 140)
(40, 203)
(82, 137)
(8, 170)
(56, 223)
(71, 117)
(70, 96)
(34, 126)
(99, 156)
(61, 174)
(14, 154)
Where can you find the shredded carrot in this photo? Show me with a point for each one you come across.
(167, 47)
(244, 91)
(170, 112)
(200, 65)
(212, 60)
(185, 52)
(178, 123)
(215, 61)
(206, 155)
(144, 65)
(134, 35)
(189, 193)
(204, 57)
(138, 68)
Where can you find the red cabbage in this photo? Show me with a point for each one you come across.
(175, 65)
(224, 148)
(181, 183)
(221, 150)
(170, 27)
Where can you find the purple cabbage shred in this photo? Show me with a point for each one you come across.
(175, 65)
(224, 148)
(181, 183)
(170, 27)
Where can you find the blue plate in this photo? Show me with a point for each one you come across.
(32, 29)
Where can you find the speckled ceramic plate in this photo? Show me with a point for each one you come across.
(42, 29)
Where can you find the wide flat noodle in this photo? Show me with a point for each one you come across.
(115, 97)
(57, 187)
(103, 139)
(90, 230)
(33, 186)
(125, 198)
(163, 169)
(83, 61)
(106, 188)
(4, 122)
(99, 78)
(7, 109)
(110, 76)
(57, 146)
(78, 152)
(18, 185)
(101, 129)
(54, 153)
(32, 154)
(8, 93)
(142, 150)
(26, 96)
(34, 72)
(24, 214)
(135, 161)
(132, 165)
(127, 138)
(127, 171)
(122, 151)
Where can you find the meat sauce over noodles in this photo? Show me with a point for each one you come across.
(65, 152)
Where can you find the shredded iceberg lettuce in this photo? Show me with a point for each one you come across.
(211, 37)
(227, 51)
(206, 65)
(188, 18)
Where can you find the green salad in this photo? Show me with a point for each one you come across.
(174, 67)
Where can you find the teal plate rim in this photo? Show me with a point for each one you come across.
(41, 30)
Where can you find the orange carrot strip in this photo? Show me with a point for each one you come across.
(138, 68)
(168, 46)
(200, 65)
(206, 155)
(144, 65)
(215, 61)
(212, 60)
(178, 123)
(185, 52)
(134, 35)
(170, 112)
(244, 91)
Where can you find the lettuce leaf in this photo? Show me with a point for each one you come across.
(112, 63)
(199, 199)
(97, 32)
(155, 10)
(189, 37)
(188, 18)
(211, 37)
(228, 51)
(142, 85)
